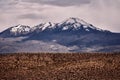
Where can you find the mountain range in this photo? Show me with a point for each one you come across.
(70, 35)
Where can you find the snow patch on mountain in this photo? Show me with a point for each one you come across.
(47, 25)
(65, 28)
(72, 20)
(87, 29)
(44, 26)
(20, 29)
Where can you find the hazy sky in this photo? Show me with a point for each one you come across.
(104, 14)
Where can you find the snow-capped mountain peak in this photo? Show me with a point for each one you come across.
(72, 20)
(48, 25)
(44, 26)
(78, 24)
(20, 29)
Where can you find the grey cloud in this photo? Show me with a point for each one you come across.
(60, 2)
(7, 4)
(31, 16)
(101, 13)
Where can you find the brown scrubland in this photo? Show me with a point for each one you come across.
(60, 66)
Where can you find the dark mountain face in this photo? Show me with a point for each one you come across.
(73, 34)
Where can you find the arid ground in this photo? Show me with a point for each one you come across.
(59, 66)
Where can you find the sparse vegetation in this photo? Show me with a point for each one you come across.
(48, 66)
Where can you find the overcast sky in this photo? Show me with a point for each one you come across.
(104, 14)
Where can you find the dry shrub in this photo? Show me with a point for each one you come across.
(60, 66)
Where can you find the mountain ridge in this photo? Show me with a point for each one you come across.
(70, 35)
(71, 24)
